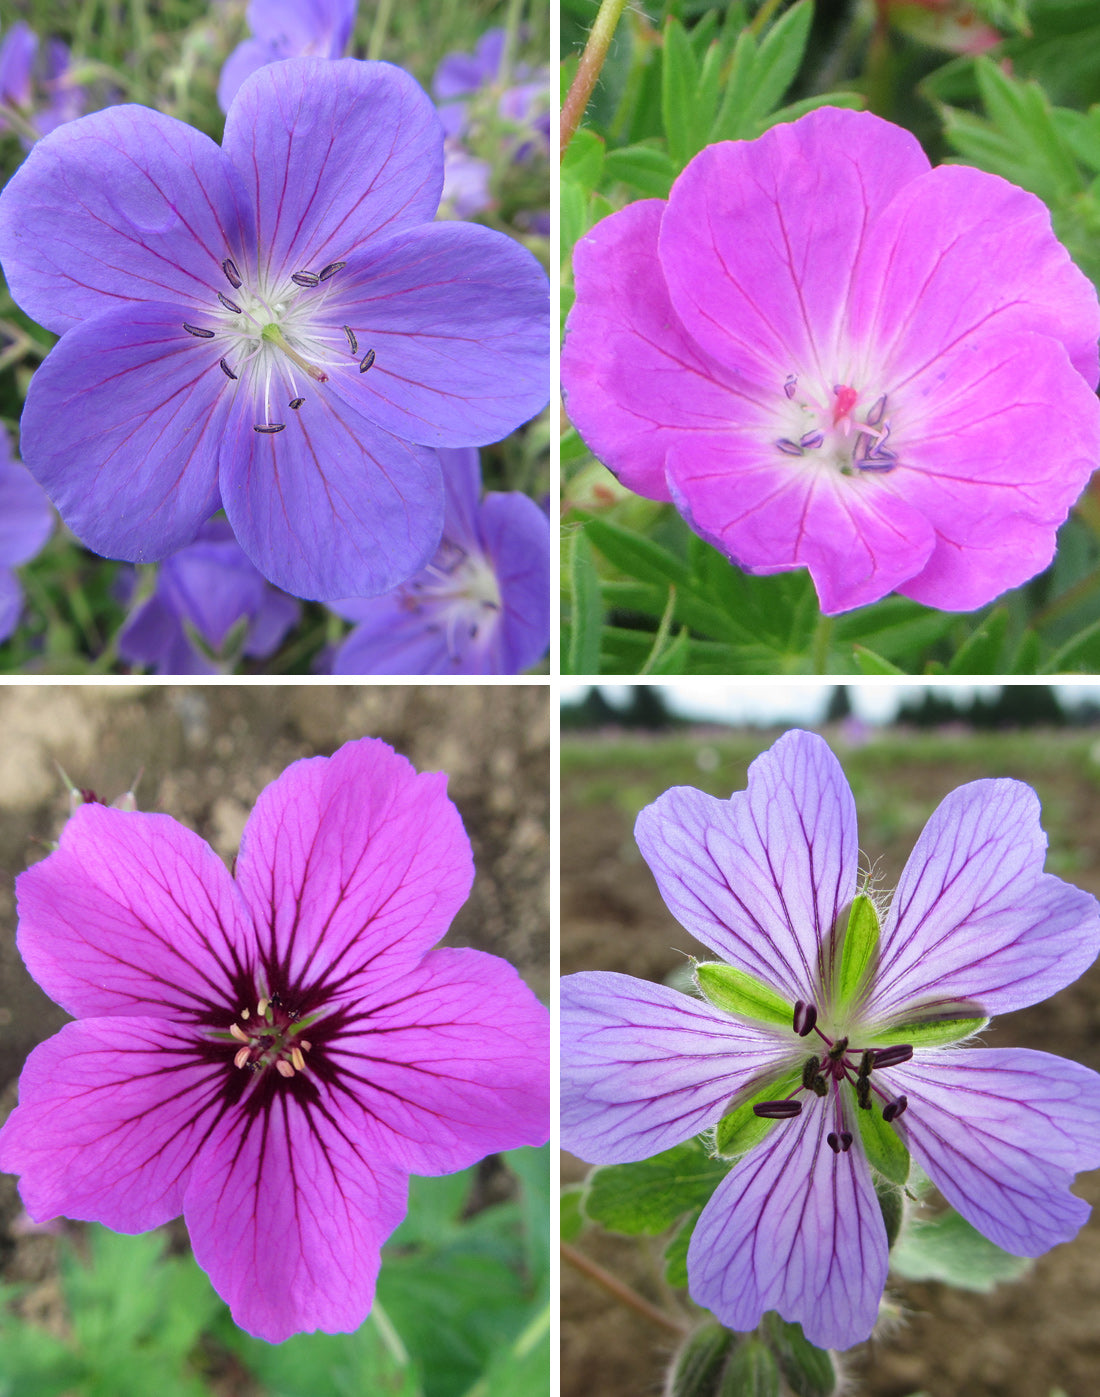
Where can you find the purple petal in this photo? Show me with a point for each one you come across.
(388, 641)
(153, 636)
(449, 1063)
(11, 602)
(1001, 1133)
(461, 469)
(121, 206)
(121, 426)
(247, 58)
(645, 1067)
(305, 26)
(132, 914)
(16, 66)
(457, 316)
(360, 148)
(517, 540)
(975, 917)
(277, 614)
(381, 850)
(761, 877)
(794, 1228)
(26, 519)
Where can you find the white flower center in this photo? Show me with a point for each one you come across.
(844, 428)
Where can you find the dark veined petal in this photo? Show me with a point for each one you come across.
(761, 877)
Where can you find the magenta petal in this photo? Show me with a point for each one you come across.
(975, 917)
(121, 428)
(794, 1228)
(634, 380)
(122, 206)
(1001, 1133)
(360, 148)
(761, 877)
(645, 1067)
(287, 1214)
(110, 1115)
(449, 1063)
(132, 914)
(353, 865)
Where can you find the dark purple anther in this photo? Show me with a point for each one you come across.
(874, 417)
(230, 305)
(790, 386)
(890, 1057)
(270, 428)
(839, 1048)
(880, 461)
(331, 270)
(863, 1093)
(820, 1086)
(811, 1068)
(226, 369)
(197, 332)
(353, 343)
(805, 1016)
(368, 360)
(232, 275)
(893, 1109)
(304, 278)
(777, 1110)
(811, 439)
(866, 1062)
(789, 448)
(839, 1144)
(296, 403)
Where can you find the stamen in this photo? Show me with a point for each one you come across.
(304, 278)
(790, 386)
(284, 1068)
(242, 1057)
(866, 1062)
(863, 1093)
(238, 1032)
(199, 333)
(788, 447)
(368, 360)
(229, 374)
(331, 270)
(839, 1144)
(261, 1008)
(894, 1109)
(874, 417)
(891, 1057)
(820, 1086)
(352, 341)
(269, 428)
(839, 1048)
(305, 1047)
(230, 305)
(297, 1059)
(881, 461)
(811, 439)
(245, 1013)
(805, 1016)
(232, 275)
(273, 335)
(296, 403)
(811, 1069)
(777, 1110)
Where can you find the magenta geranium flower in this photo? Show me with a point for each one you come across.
(831, 356)
(271, 1054)
(824, 1046)
(275, 326)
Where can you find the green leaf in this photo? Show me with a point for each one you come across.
(679, 80)
(676, 1253)
(742, 995)
(584, 643)
(649, 1196)
(636, 556)
(946, 1248)
(870, 663)
(583, 159)
(572, 1219)
(848, 976)
(645, 169)
(883, 1146)
(809, 1371)
(983, 652)
(752, 1372)
(759, 76)
(740, 1130)
(938, 1025)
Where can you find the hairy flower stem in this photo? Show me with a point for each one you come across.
(621, 1292)
(588, 70)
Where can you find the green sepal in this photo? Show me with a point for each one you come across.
(938, 1026)
(700, 1361)
(649, 1196)
(809, 1371)
(854, 969)
(740, 1130)
(891, 1201)
(751, 1372)
(741, 995)
(883, 1146)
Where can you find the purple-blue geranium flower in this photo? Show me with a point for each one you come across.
(26, 522)
(276, 327)
(34, 84)
(481, 606)
(463, 75)
(287, 29)
(204, 592)
(822, 1041)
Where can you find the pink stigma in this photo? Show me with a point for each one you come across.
(845, 401)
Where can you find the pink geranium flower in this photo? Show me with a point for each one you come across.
(829, 355)
(273, 1054)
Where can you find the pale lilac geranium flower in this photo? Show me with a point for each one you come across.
(287, 29)
(204, 592)
(271, 1054)
(276, 327)
(829, 355)
(26, 522)
(975, 928)
(481, 606)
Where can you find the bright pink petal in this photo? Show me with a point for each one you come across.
(645, 1067)
(111, 1113)
(122, 206)
(133, 914)
(975, 917)
(287, 1213)
(448, 1064)
(1001, 1133)
(794, 1228)
(634, 380)
(761, 877)
(354, 866)
(760, 237)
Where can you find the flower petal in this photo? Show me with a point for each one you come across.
(645, 1067)
(517, 538)
(333, 153)
(121, 428)
(761, 877)
(975, 917)
(354, 866)
(122, 206)
(796, 1228)
(332, 506)
(132, 914)
(448, 1064)
(457, 315)
(1001, 1133)
(287, 1214)
(110, 1115)
(26, 519)
(388, 639)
